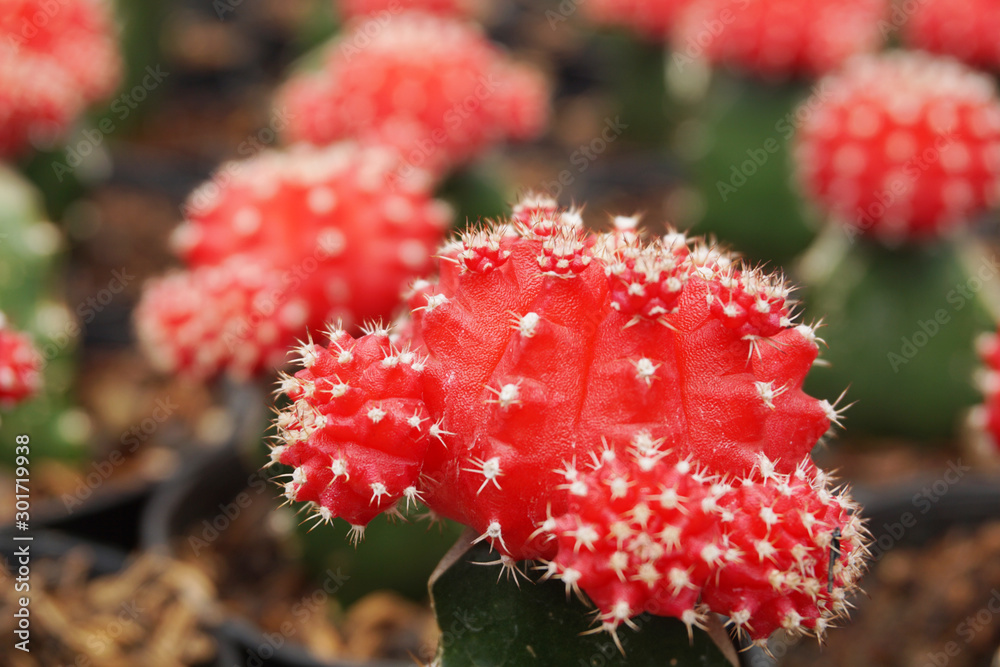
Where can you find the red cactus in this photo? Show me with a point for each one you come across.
(903, 147)
(651, 18)
(987, 416)
(966, 30)
(350, 9)
(545, 351)
(55, 60)
(780, 38)
(281, 245)
(20, 366)
(459, 97)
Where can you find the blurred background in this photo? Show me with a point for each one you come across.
(159, 539)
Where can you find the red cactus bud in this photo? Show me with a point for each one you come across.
(642, 536)
(350, 9)
(987, 416)
(651, 18)
(780, 38)
(358, 430)
(903, 147)
(966, 30)
(458, 98)
(20, 366)
(56, 60)
(281, 245)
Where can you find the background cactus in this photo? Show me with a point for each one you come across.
(903, 166)
(30, 286)
(461, 96)
(282, 244)
(52, 68)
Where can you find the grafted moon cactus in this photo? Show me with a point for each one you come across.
(781, 39)
(55, 61)
(350, 9)
(20, 366)
(432, 87)
(965, 30)
(902, 147)
(281, 244)
(629, 409)
(651, 18)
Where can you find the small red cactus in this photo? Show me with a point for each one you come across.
(434, 88)
(780, 38)
(966, 30)
(20, 366)
(281, 245)
(553, 373)
(350, 9)
(903, 146)
(56, 59)
(651, 18)
(988, 414)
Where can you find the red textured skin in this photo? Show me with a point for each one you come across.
(966, 30)
(56, 60)
(458, 98)
(20, 366)
(350, 9)
(325, 239)
(902, 177)
(522, 405)
(780, 38)
(667, 540)
(652, 19)
(989, 412)
(388, 450)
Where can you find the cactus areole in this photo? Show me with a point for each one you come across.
(628, 410)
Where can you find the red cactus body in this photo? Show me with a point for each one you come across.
(548, 357)
(651, 18)
(988, 414)
(434, 88)
(781, 38)
(56, 60)
(350, 9)
(20, 366)
(903, 147)
(965, 30)
(282, 244)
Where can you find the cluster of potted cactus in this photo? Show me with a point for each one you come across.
(625, 417)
